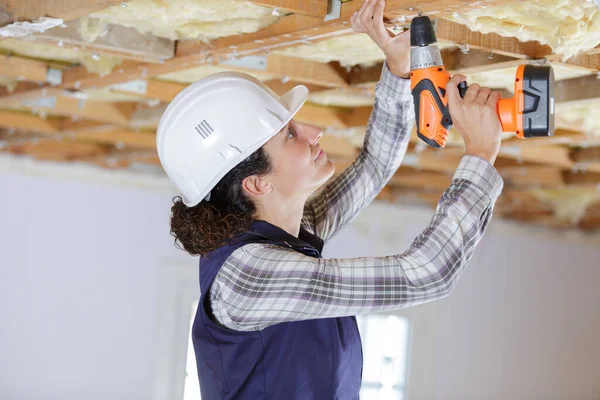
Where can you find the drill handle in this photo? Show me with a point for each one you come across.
(462, 89)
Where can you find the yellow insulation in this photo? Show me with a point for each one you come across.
(569, 204)
(101, 64)
(9, 83)
(579, 116)
(348, 50)
(189, 19)
(567, 26)
(505, 78)
(194, 74)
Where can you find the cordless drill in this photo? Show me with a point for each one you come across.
(529, 113)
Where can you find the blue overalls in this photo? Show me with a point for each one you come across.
(311, 359)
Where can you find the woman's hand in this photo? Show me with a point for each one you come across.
(476, 118)
(369, 19)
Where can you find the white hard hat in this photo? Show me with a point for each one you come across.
(214, 124)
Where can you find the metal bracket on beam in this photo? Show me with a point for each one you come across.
(40, 102)
(334, 9)
(139, 86)
(251, 62)
(54, 76)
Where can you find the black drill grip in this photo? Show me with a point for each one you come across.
(462, 89)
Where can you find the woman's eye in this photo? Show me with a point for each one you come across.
(290, 133)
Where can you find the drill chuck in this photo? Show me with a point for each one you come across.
(422, 32)
(425, 57)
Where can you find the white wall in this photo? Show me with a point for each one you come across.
(85, 311)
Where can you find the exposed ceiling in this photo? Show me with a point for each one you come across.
(91, 87)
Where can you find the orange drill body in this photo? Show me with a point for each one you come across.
(529, 113)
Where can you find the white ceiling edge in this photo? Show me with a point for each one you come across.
(151, 180)
(156, 181)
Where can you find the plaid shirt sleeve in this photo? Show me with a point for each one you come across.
(262, 285)
(386, 141)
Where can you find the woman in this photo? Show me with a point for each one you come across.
(275, 320)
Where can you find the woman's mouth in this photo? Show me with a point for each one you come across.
(320, 154)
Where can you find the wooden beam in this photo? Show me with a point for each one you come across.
(455, 61)
(23, 68)
(532, 176)
(281, 87)
(582, 88)
(589, 61)
(561, 136)
(320, 116)
(587, 155)
(151, 89)
(434, 8)
(313, 8)
(424, 180)
(55, 103)
(301, 70)
(338, 147)
(117, 136)
(52, 150)
(449, 31)
(574, 178)
(67, 10)
(551, 155)
(119, 41)
(28, 122)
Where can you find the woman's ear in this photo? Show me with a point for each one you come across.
(254, 185)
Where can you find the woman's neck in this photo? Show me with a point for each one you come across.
(284, 215)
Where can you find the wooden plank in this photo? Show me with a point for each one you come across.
(66, 9)
(336, 146)
(587, 155)
(561, 136)
(576, 178)
(476, 60)
(434, 8)
(281, 87)
(313, 8)
(301, 70)
(551, 154)
(152, 89)
(449, 31)
(119, 41)
(117, 136)
(589, 61)
(582, 88)
(28, 122)
(320, 116)
(53, 150)
(23, 68)
(424, 180)
(54, 103)
(433, 160)
(287, 29)
(534, 176)
(455, 61)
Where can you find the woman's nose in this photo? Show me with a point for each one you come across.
(313, 134)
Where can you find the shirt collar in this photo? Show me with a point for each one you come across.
(275, 233)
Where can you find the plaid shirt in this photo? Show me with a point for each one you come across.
(261, 285)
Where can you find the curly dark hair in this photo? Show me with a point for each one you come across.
(210, 224)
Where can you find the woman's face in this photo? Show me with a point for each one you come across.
(299, 166)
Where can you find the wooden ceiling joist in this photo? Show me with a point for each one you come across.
(312, 8)
(119, 41)
(453, 32)
(25, 69)
(28, 122)
(20, 10)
